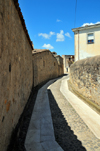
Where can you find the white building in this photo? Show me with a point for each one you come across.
(87, 41)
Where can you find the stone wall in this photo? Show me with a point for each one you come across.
(60, 65)
(85, 79)
(16, 76)
(45, 66)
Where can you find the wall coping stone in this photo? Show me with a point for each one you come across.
(37, 51)
(87, 61)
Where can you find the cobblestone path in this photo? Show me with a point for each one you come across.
(70, 130)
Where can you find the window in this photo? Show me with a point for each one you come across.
(90, 38)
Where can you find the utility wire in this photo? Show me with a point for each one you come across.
(75, 13)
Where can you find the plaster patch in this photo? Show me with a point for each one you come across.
(83, 54)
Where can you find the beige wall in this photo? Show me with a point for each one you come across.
(64, 63)
(84, 50)
(76, 45)
(85, 78)
(16, 74)
(60, 65)
(45, 67)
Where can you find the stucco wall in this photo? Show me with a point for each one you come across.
(45, 66)
(85, 78)
(16, 74)
(84, 50)
(76, 45)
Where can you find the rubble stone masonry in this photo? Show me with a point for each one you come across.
(85, 79)
(45, 66)
(16, 76)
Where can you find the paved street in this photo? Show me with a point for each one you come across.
(73, 129)
(40, 136)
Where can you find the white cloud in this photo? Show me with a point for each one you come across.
(97, 22)
(58, 20)
(60, 36)
(48, 46)
(52, 33)
(89, 24)
(46, 36)
(68, 35)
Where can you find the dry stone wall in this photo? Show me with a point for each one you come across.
(16, 76)
(85, 78)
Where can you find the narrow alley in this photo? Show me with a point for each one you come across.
(59, 123)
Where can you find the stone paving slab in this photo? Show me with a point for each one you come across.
(40, 135)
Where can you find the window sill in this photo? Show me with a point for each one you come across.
(91, 43)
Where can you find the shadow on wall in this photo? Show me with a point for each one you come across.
(19, 133)
(63, 133)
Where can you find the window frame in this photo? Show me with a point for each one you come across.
(91, 39)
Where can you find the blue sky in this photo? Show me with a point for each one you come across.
(49, 22)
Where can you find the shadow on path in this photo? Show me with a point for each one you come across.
(63, 133)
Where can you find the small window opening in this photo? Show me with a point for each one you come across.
(90, 38)
(10, 67)
(54, 63)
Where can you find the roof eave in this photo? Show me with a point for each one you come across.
(86, 27)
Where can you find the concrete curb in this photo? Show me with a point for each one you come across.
(89, 116)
